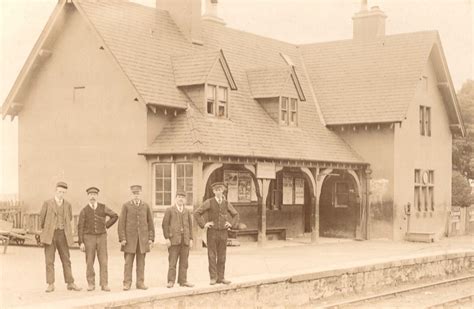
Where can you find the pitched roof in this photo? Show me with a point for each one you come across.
(250, 131)
(194, 68)
(267, 82)
(367, 82)
(142, 40)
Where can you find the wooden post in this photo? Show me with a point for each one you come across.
(198, 194)
(315, 212)
(262, 212)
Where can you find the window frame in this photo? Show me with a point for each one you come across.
(288, 111)
(337, 194)
(425, 120)
(216, 100)
(424, 190)
(174, 184)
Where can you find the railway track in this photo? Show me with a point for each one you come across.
(457, 302)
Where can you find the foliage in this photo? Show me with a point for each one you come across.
(461, 191)
(463, 147)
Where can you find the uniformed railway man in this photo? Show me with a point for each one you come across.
(92, 230)
(136, 235)
(221, 216)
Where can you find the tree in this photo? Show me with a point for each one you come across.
(461, 191)
(463, 147)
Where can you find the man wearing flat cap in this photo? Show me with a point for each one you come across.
(56, 234)
(177, 229)
(136, 235)
(221, 216)
(92, 230)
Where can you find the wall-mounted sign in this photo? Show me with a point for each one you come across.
(266, 170)
(299, 191)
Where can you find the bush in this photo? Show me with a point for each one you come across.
(461, 191)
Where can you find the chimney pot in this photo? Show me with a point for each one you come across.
(368, 25)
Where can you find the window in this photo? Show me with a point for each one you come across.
(217, 98)
(184, 180)
(424, 190)
(341, 196)
(170, 178)
(293, 190)
(78, 95)
(425, 120)
(288, 111)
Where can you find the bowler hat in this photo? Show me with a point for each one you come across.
(92, 190)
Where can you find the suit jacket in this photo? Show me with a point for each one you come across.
(173, 228)
(136, 227)
(218, 214)
(48, 217)
(93, 221)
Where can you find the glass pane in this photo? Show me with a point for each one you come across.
(417, 199)
(222, 94)
(167, 170)
(180, 184)
(210, 91)
(284, 116)
(431, 177)
(428, 121)
(425, 197)
(189, 185)
(189, 198)
(159, 199)
(284, 103)
(221, 110)
(210, 107)
(159, 184)
(167, 185)
(293, 104)
(179, 170)
(189, 170)
(422, 121)
(159, 170)
(293, 117)
(432, 198)
(167, 198)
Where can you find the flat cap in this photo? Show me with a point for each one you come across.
(92, 190)
(61, 184)
(135, 188)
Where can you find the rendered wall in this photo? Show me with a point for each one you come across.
(87, 138)
(413, 151)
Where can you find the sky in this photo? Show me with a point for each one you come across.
(295, 21)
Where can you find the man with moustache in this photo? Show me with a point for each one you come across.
(56, 234)
(177, 229)
(136, 235)
(221, 217)
(92, 230)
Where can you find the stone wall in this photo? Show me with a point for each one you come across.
(301, 288)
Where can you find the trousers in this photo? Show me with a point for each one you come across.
(96, 245)
(129, 257)
(178, 252)
(60, 243)
(216, 253)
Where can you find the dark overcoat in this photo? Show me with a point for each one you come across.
(172, 227)
(136, 227)
(48, 217)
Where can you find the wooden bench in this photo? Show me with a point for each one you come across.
(279, 232)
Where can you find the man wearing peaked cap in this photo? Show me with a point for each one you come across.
(136, 233)
(92, 230)
(56, 234)
(221, 215)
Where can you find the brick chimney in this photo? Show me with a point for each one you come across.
(211, 12)
(187, 16)
(368, 24)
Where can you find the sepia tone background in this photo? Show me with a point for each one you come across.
(21, 22)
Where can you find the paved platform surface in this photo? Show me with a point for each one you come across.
(22, 269)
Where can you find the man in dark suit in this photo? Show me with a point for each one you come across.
(56, 233)
(177, 230)
(92, 230)
(136, 235)
(221, 216)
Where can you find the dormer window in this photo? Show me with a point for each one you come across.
(217, 99)
(288, 111)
